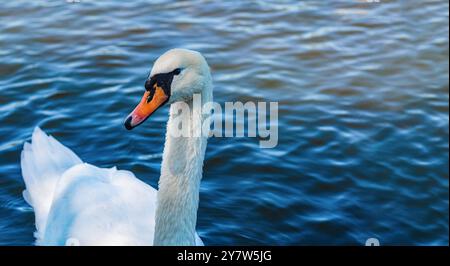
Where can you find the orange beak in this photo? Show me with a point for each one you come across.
(146, 107)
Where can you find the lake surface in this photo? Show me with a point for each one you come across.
(363, 92)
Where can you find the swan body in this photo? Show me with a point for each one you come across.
(76, 203)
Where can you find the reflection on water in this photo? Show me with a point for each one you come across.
(362, 91)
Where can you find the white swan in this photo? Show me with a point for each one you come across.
(76, 203)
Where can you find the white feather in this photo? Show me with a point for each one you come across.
(77, 203)
(43, 162)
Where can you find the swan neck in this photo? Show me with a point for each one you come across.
(181, 172)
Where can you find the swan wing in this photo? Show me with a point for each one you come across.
(98, 206)
(76, 203)
(43, 162)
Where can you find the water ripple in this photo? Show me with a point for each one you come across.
(362, 91)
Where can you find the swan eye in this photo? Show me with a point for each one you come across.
(148, 85)
(177, 71)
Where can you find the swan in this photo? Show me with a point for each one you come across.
(76, 203)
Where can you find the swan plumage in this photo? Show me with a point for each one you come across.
(76, 203)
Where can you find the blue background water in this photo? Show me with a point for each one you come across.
(363, 96)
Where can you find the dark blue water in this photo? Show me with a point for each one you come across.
(363, 96)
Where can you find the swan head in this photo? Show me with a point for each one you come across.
(176, 76)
